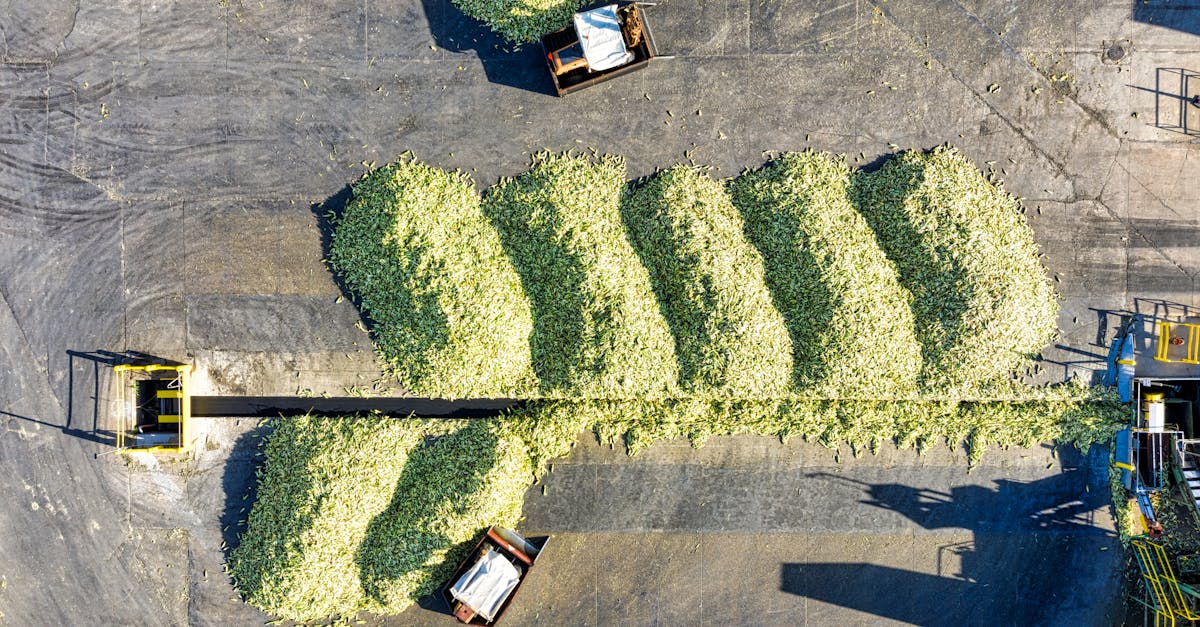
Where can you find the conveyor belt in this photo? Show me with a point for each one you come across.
(271, 406)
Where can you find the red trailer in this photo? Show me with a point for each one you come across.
(600, 44)
(485, 583)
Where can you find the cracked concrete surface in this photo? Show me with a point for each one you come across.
(162, 167)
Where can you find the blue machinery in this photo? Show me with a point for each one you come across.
(1158, 371)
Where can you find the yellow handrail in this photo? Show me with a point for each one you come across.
(122, 408)
(1154, 584)
(127, 414)
(1169, 600)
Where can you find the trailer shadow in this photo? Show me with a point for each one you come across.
(503, 63)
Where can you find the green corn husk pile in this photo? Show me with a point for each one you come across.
(449, 315)
(958, 300)
(851, 322)
(982, 301)
(710, 287)
(372, 513)
(538, 291)
(597, 329)
(521, 21)
(1067, 414)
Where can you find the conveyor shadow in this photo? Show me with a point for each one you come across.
(84, 389)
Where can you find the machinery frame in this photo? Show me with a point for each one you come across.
(154, 408)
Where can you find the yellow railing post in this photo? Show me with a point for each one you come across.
(1191, 354)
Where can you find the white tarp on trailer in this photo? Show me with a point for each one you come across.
(600, 35)
(487, 584)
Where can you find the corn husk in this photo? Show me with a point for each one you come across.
(449, 316)
(521, 21)
(597, 330)
(729, 338)
(777, 309)
(982, 301)
(851, 322)
(371, 513)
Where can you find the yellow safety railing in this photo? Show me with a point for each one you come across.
(1191, 354)
(1170, 600)
(127, 407)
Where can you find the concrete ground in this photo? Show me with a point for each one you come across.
(163, 167)
(746, 531)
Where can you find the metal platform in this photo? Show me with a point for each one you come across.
(1166, 348)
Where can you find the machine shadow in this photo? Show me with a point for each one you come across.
(239, 482)
(327, 214)
(896, 594)
(1033, 528)
(1174, 88)
(84, 396)
(1157, 308)
(1113, 326)
(1140, 323)
(503, 63)
(1173, 14)
(1099, 357)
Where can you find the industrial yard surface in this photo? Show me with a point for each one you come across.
(165, 170)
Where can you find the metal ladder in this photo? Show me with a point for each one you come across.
(1168, 598)
(1191, 474)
